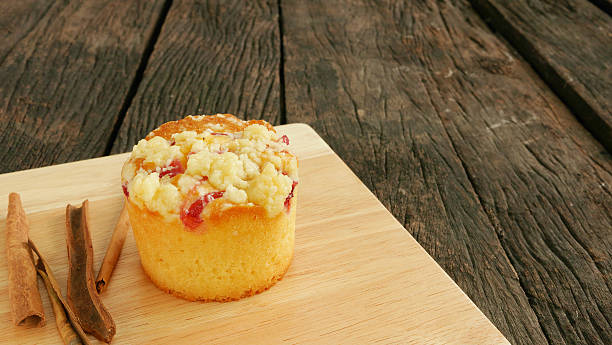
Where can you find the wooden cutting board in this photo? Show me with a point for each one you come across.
(357, 274)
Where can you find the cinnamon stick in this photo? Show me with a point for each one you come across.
(81, 292)
(26, 305)
(66, 321)
(64, 327)
(114, 251)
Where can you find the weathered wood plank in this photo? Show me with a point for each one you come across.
(212, 56)
(469, 149)
(66, 68)
(17, 18)
(544, 185)
(356, 72)
(569, 44)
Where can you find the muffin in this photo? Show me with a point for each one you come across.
(212, 203)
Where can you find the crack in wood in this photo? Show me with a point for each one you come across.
(281, 67)
(579, 77)
(604, 5)
(66, 69)
(144, 60)
(211, 57)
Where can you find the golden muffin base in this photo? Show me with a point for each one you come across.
(235, 253)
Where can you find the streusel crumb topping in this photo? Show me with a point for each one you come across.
(184, 165)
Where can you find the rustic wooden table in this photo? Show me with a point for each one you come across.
(485, 126)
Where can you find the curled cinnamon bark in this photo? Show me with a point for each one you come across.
(67, 323)
(26, 305)
(113, 251)
(81, 292)
(64, 327)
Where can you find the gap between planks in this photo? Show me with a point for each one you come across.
(604, 5)
(589, 109)
(281, 66)
(142, 66)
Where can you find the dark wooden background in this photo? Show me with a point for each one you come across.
(485, 126)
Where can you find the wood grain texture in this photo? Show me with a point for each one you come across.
(211, 57)
(462, 142)
(357, 276)
(544, 184)
(569, 44)
(355, 72)
(65, 69)
(17, 18)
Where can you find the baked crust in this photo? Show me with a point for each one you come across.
(256, 249)
(196, 124)
(192, 298)
(237, 250)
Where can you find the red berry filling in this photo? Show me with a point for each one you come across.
(125, 190)
(191, 216)
(288, 199)
(212, 196)
(284, 139)
(215, 133)
(172, 170)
